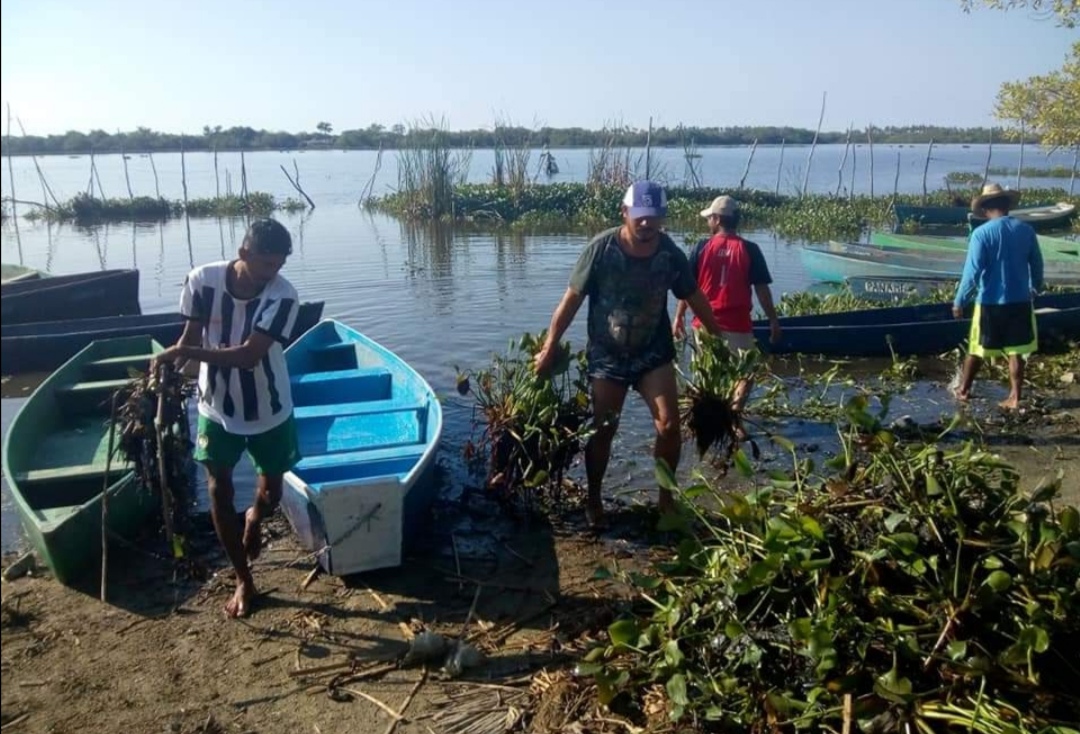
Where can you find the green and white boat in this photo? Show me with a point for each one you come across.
(55, 456)
(1053, 248)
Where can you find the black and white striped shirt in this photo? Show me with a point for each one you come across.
(245, 402)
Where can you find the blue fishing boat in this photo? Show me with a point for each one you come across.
(907, 330)
(369, 428)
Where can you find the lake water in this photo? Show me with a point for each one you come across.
(439, 298)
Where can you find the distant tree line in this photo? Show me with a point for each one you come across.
(143, 140)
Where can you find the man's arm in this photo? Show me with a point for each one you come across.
(244, 357)
(1035, 262)
(764, 297)
(678, 324)
(699, 304)
(560, 322)
(967, 279)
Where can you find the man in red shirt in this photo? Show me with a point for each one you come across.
(727, 267)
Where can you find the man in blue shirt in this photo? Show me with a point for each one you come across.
(1003, 269)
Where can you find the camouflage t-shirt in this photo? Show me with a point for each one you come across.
(628, 297)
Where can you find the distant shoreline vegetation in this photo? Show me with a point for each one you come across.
(374, 137)
(970, 177)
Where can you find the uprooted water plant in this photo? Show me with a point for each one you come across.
(531, 427)
(707, 404)
(900, 588)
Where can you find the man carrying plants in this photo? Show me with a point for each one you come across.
(1004, 267)
(239, 315)
(626, 273)
(727, 267)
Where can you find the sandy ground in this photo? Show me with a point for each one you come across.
(321, 658)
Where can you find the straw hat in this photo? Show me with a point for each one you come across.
(993, 191)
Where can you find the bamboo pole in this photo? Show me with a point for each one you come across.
(843, 162)
(105, 499)
(153, 167)
(97, 177)
(90, 185)
(1020, 166)
(896, 181)
(11, 170)
(989, 155)
(1076, 159)
(127, 178)
(296, 182)
(746, 172)
(870, 143)
(217, 180)
(648, 150)
(854, 158)
(159, 429)
(780, 166)
(926, 168)
(243, 180)
(183, 172)
(46, 190)
(813, 144)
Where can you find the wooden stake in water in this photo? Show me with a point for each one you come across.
(813, 144)
(870, 142)
(105, 499)
(843, 162)
(989, 155)
(157, 186)
(1020, 166)
(854, 158)
(183, 172)
(11, 168)
(1072, 178)
(746, 172)
(648, 150)
(926, 168)
(780, 166)
(127, 178)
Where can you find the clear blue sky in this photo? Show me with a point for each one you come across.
(287, 64)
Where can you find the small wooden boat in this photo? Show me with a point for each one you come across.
(1052, 248)
(369, 427)
(897, 289)
(43, 346)
(1040, 216)
(10, 273)
(836, 261)
(82, 295)
(907, 330)
(55, 456)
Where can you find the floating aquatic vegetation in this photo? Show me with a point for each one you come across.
(532, 427)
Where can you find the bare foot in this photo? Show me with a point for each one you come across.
(594, 513)
(1009, 404)
(963, 397)
(240, 604)
(666, 503)
(740, 432)
(252, 535)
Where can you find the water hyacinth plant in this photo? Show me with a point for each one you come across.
(531, 427)
(902, 588)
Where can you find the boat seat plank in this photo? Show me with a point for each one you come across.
(362, 407)
(338, 434)
(68, 473)
(114, 368)
(359, 457)
(324, 388)
(94, 386)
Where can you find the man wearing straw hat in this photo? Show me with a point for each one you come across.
(1003, 269)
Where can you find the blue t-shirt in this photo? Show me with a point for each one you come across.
(1003, 264)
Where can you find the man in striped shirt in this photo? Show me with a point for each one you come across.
(239, 315)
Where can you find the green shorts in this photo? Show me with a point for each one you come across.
(273, 452)
(1008, 330)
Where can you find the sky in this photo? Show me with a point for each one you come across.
(289, 64)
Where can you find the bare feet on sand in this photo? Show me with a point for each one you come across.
(240, 604)
(666, 503)
(252, 535)
(594, 513)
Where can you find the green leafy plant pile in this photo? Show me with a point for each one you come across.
(709, 386)
(902, 588)
(531, 426)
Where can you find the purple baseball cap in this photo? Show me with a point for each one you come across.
(645, 199)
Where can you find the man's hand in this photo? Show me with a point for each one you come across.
(775, 333)
(958, 312)
(678, 327)
(171, 356)
(545, 359)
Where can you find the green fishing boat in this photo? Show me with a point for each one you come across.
(55, 457)
(1053, 248)
(10, 273)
